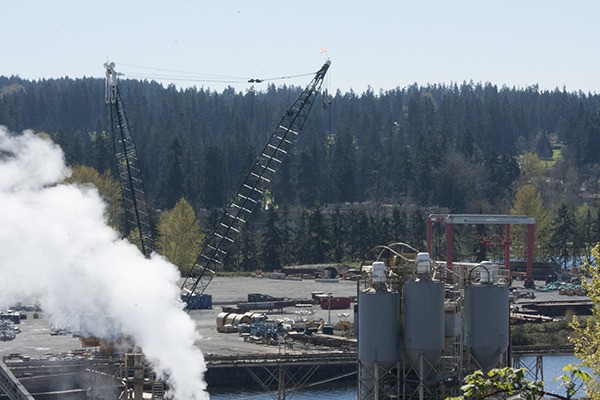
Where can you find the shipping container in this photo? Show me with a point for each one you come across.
(335, 303)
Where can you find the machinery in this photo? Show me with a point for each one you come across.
(250, 194)
(424, 325)
(130, 176)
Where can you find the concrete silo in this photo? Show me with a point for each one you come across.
(378, 333)
(423, 321)
(487, 323)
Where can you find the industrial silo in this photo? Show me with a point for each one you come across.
(378, 337)
(487, 323)
(378, 326)
(423, 314)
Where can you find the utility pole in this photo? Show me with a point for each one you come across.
(329, 310)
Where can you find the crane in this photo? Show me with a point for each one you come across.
(250, 192)
(130, 176)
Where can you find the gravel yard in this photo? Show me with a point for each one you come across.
(36, 341)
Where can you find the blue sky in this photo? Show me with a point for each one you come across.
(382, 44)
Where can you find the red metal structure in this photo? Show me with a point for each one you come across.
(482, 219)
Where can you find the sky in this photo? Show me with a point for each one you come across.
(378, 44)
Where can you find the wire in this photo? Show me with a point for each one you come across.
(178, 75)
(180, 78)
(200, 74)
(289, 76)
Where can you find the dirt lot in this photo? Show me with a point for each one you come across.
(35, 340)
(233, 290)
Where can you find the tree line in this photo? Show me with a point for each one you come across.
(466, 148)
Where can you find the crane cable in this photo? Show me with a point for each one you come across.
(178, 75)
(327, 101)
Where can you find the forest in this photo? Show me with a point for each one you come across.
(367, 168)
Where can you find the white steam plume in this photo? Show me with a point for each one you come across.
(57, 248)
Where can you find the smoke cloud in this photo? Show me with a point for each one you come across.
(57, 249)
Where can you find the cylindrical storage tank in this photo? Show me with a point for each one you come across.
(378, 327)
(487, 323)
(486, 272)
(221, 319)
(238, 319)
(378, 272)
(228, 320)
(423, 312)
(423, 263)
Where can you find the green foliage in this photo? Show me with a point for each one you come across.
(510, 381)
(415, 145)
(272, 242)
(500, 382)
(574, 380)
(528, 201)
(452, 146)
(563, 235)
(179, 235)
(586, 338)
(545, 334)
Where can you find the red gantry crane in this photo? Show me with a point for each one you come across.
(249, 194)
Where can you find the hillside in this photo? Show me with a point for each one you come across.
(466, 148)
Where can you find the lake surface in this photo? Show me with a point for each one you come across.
(552, 366)
(336, 392)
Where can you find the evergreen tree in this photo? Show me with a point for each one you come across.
(417, 231)
(583, 242)
(319, 237)
(272, 243)
(302, 239)
(248, 258)
(286, 234)
(563, 231)
(381, 229)
(213, 190)
(344, 169)
(172, 181)
(338, 235)
(398, 225)
(360, 241)
(543, 147)
(480, 249)
(309, 178)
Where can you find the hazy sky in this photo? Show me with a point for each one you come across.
(382, 44)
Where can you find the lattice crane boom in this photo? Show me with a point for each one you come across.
(130, 176)
(251, 191)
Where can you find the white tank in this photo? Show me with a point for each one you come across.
(486, 272)
(378, 272)
(423, 263)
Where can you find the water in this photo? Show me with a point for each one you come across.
(328, 392)
(552, 366)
